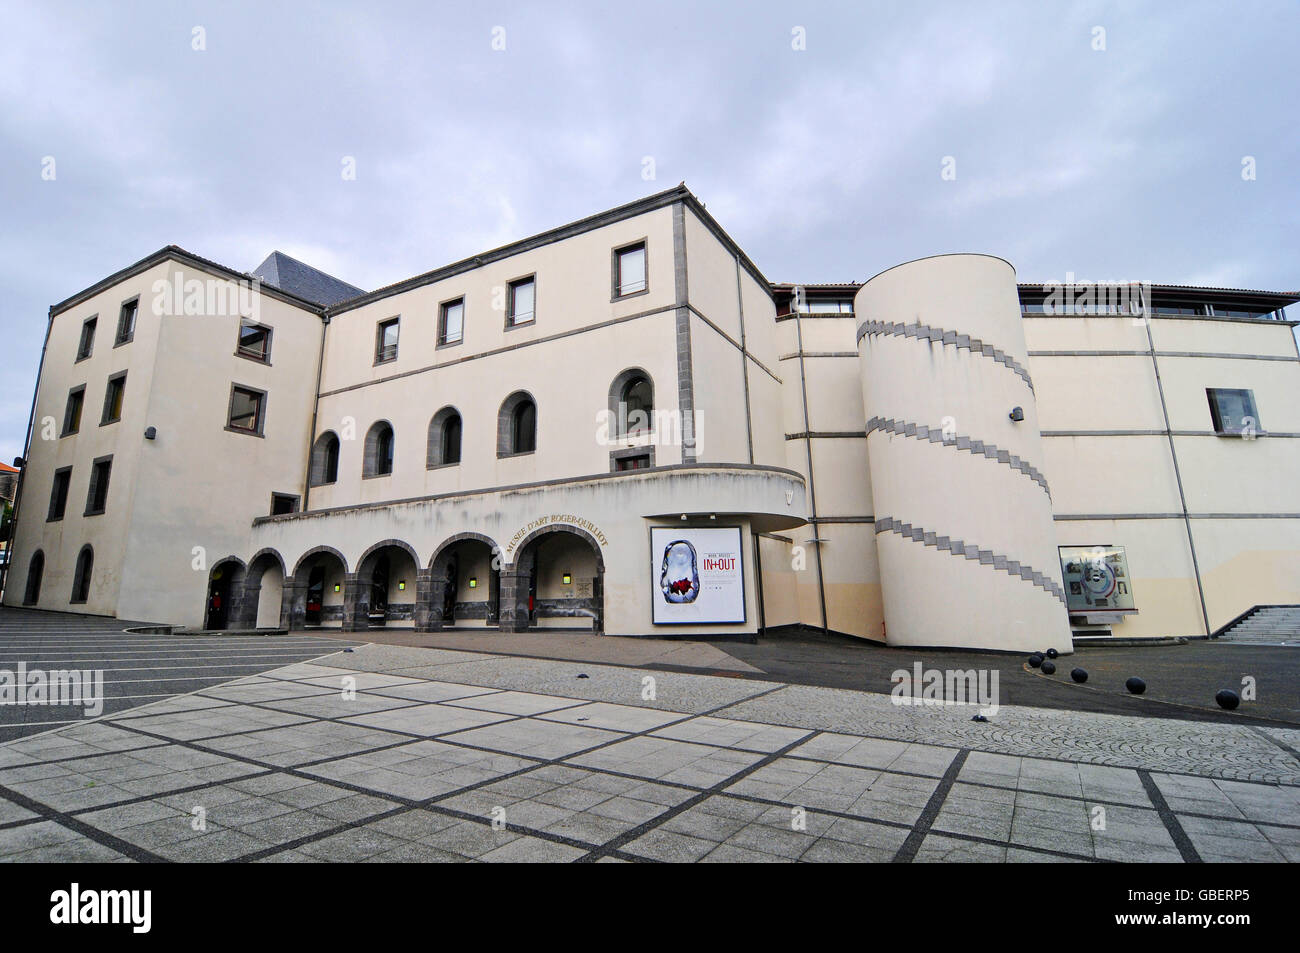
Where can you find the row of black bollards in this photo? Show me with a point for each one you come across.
(1226, 698)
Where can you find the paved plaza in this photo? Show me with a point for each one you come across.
(389, 753)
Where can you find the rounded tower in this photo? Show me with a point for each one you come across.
(963, 512)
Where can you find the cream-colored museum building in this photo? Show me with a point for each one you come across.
(622, 425)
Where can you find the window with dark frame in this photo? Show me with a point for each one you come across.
(640, 461)
(283, 503)
(451, 431)
(451, 322)
(629, 270)
(72, 412)
(86, 346)
(524, 428)
(59, 494)
(384, 452)
(254, 342)
(246, 409)
(126, 321)
(636, 406)
(97, 495)
(1233, 411)
(325, 460)
(386, 340)
(522, 301)
(114, 395)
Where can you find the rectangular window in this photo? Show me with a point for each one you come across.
(831, 306)
(639, 462)
(451, 322)
(97, 497)
(246, 408)
(87, 344)
(113, 397)
(254, 342)
(386, 341)
(59, 493)
(629, 270)
(283, 504)
(520, 306)
(1233, 411)
(72, 413)
(126, 321)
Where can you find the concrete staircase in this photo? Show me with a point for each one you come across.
(1270, 625)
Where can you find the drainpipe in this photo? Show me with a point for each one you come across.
(1178, 477)
(27, 448)
(812, 483)
(315, 409)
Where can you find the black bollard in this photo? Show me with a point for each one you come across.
(1052, 653)
(1049, 668)
(1079, 675)
(1035, 660)
(1228, 699)
(1136, 685)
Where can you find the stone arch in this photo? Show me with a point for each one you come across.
(507, 444)
(617, 389)
(370, 597)
(316, 551)
(225, 593)
(523, 603)
(259, 599)
(324, 467)
(300, 604)
(374, 459)
(444, 447)
(446, 601)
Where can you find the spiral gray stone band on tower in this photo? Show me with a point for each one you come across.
(964, 530)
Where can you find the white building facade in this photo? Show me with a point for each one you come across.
(621, 425)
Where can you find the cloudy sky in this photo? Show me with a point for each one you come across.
(1101, 139)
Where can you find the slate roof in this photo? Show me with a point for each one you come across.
(304, 281)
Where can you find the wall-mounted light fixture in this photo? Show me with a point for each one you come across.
(1017, 414)
(337, 587)
(568, 579)
(401, 585)
(473, 583)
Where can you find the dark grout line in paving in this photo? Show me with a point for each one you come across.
(1167, 816)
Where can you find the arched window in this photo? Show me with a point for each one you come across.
(379, 450)
(35, 570)
(525, 427)
(81, 578)
(517, 425)
(631, 402)
(325, 459)
(444, 438)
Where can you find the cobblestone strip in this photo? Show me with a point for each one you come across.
(939, 336)
(904, 428)
(986, 557)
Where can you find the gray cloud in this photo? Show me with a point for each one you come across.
(824, 164)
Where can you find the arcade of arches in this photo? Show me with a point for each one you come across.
(555, 581)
